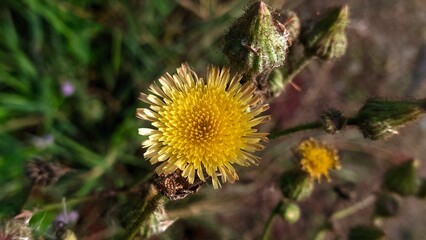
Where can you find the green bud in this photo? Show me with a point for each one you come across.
(324, 231)
(402, 179)
(325, 36)
(332, 120)
(387, 205)
(366, 233)
(296, 185)
(290, 212)
(380, 119)
(422, 189)
(256, 43)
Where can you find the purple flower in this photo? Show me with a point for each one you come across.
(67, 218)
(67, 88)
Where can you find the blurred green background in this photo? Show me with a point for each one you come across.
(71, 72)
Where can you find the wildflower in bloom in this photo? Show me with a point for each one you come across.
(316, 158)
(202, 125)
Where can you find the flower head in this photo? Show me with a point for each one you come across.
(316, 158)
(202, 125)
(67, 88)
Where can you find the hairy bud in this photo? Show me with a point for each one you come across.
(296, 185)
(380, 119)
(325, 36)
(256, 43)
(403, 179)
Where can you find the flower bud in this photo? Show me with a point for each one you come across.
(380, 119)
(325, 36)
(290, 212)
(332, 121)
(387, 205)
(324, 231)
(366, 232)
(296, 185)
(402, 179)
(256, 42)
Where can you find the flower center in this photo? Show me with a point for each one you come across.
(317, 159)
(204, 124)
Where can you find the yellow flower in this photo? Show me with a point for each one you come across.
(316, 158)
(202, 125)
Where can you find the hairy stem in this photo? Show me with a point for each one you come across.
(142, 213)
(297, 68)
(301, 127)
(346, 212)
(268, 225)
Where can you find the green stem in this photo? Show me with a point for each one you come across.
(20, 123)
(301, 127)
(78, 200)
(268, 225)
(297, 68)
(346, 212)
(141, 214)
(70, 202)
(308, 126)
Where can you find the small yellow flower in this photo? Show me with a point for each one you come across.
(316, 158)
(202, 125)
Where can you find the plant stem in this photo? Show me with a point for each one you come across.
(77, 200)
(297, 68)
(366, 202)
(139, 217)
(20, 123)
(301, 127)
(70, 202)
(268, 225)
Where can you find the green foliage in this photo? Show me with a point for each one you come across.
(108, 52)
